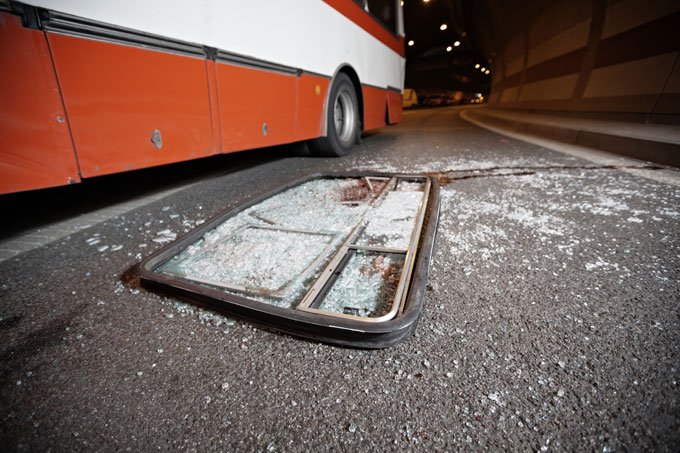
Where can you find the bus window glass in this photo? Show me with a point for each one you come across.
(385, 11)
(362, 3)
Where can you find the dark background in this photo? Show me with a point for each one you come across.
(429, 67)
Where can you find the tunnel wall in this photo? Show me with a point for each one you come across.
(593, 57)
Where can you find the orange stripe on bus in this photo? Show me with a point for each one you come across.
(395, 103)
(256, 107)
(211, 73)
(311, 95)
(375, 107)
(35, 146)
(117, 96)
(356, 14)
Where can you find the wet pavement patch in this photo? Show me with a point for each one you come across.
(341, 259)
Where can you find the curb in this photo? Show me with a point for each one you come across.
(661, 152)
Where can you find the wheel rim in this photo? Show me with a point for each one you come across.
(344, 116)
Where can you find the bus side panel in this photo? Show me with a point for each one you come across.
(122, 99)
(214, 105)
(395, 101)
(310, 113)
(375, 103)
(257, 107)
(35, 145)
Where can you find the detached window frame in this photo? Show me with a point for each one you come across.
(308, 318)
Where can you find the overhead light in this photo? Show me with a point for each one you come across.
(426, 1)
(411, 42)
(449, 49)
(487, 72)
(477, 66)
(402, 2)
(483, 69)
(443, 27)
(456, 44)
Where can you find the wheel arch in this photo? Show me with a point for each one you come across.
(348, 70)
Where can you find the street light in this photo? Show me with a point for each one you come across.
(411, 42)
(449, 49)
(456, 44)
(443, 27)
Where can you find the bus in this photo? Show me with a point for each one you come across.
(100, 87)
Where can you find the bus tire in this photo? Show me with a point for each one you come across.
(342, 120)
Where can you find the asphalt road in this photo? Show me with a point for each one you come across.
(551, 320)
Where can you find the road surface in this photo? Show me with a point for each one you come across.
(551, 320)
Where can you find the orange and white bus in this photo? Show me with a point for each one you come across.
(90, 88)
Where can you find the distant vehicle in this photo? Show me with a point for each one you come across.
(454, 98)
(90, 88)
(410, 98)
(477, 99)
(434, 100)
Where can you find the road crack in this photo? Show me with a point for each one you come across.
(445, 177)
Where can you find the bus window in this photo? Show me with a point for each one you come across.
(385, 11)
(362, 3)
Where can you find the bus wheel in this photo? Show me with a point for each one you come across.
(342, 120)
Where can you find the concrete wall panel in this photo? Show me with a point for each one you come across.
(617, 56)
(673, 84)
(627, 14)
(645, 76)
(509, 95)
(514, 55)
(556, 88)
(571, 39)
(558, 18)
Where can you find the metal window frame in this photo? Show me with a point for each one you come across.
(313, 296)
(342, 330)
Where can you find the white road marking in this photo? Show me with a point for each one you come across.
(50, 233)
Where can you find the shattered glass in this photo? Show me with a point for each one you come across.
(277, 250)
(391, 223)
(410, 186)
(366, 286)
(255, 259)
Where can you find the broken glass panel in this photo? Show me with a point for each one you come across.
(366, 285)
(336, 246)
(391, 223)
(409, 186)
(257, 259)
(363, 190)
